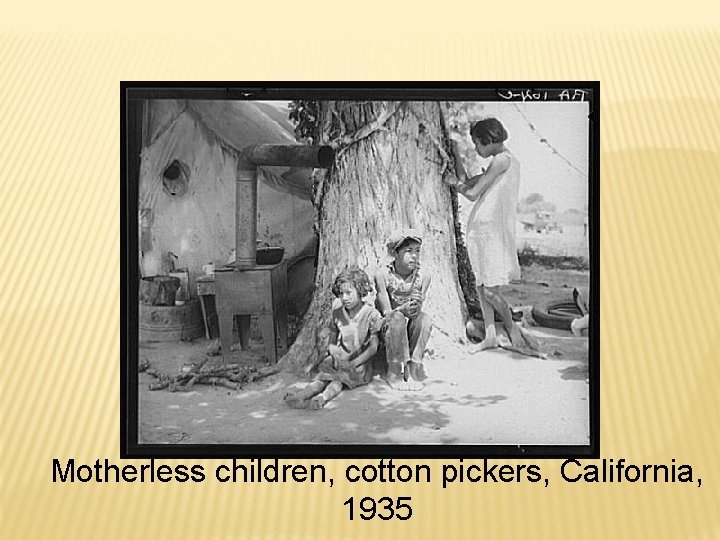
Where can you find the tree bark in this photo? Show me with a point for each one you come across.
(387, 175)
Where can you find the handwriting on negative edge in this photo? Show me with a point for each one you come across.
(568, 94)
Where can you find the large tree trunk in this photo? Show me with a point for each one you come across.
(387, 175)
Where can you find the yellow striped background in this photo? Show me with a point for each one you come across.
(60, 67)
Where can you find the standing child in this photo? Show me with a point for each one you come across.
(353, 342)
(491, 225)
(401, 289)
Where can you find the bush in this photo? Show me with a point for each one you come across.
(528, 256)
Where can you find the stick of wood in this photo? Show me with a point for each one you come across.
(219, 381)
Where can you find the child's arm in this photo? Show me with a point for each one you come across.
(324, 340)
(477, 186)
(368, 353)
(383, 299)
(418, 297)
(332, 339)
(382, 295)
(425, 285)
(336, 352)
(461, 173)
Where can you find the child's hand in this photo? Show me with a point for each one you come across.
(319, 361)
(415, 303)
(412, 308)
(403, 308)
(338, 355)
(345, 365)
(354, 364)
(451, 180)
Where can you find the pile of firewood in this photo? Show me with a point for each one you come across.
(231, 376)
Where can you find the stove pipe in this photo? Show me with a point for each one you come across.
(283, 155)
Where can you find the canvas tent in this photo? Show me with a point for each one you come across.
(187, 183)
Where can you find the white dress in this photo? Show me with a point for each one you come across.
(491, 230)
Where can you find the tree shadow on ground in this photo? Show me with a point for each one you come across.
(447, 411)
(577, 372)
(372, 414)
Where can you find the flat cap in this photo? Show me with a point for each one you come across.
(398, 237)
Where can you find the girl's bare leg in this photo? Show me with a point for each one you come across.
(299, 399)
(502, 308)
(491, 340)
(331, 391)
(520, 339)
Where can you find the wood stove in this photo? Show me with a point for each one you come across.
(247, 289)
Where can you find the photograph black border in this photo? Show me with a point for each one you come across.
(134, 92)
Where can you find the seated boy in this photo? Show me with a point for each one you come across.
(401, 289)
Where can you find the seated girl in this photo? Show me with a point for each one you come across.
(348, 345)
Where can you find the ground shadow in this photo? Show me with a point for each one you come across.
(457, 407)
(575, 373)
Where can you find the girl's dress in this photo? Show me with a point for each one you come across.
(491, 230)
(353, 337)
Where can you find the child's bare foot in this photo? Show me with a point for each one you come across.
(490, 341)
(295, 401)
(416, 371)
(317, 403)
(578, 325)
(406, 386)
(474, 329)
(485, 344)
(394, 380)
(412, 386)
(398, 382)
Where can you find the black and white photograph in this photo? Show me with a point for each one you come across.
(318, 270)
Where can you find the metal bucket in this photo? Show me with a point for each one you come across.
(158, 290)
(171, 323)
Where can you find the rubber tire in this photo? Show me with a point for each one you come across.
(556, 313)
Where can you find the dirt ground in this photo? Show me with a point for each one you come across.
(492, 397)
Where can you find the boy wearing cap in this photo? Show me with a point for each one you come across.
(401, 289)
